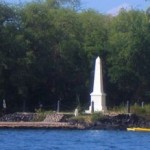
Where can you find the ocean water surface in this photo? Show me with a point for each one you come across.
(46, 139)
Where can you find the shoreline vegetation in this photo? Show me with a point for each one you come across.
(116, 119)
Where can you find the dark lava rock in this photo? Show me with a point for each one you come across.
(120, 121)
(16, 117)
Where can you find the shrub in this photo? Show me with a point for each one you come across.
(97, 116)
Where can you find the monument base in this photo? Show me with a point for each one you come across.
(98, 103)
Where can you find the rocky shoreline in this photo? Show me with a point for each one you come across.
(120, 122)
(60, 121)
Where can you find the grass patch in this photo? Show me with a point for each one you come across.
(118, 109)
(88, 118)
(136, 109)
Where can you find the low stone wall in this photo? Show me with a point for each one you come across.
(28, 117)
(16, 117)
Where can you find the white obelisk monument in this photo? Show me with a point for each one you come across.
(98, 97)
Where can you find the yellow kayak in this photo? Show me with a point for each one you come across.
(139, 129)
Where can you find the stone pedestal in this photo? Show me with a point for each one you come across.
(99, 101)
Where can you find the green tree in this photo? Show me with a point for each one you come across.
(128, 53)
(12, 53)
(55, 41)
(94, 32)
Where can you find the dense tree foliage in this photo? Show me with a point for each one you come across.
(48, 50)
(128, 54)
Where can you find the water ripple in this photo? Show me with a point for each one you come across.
(12, 139)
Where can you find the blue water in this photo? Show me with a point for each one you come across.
(42, 139)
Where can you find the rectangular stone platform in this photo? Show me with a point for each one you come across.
(63, 125)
